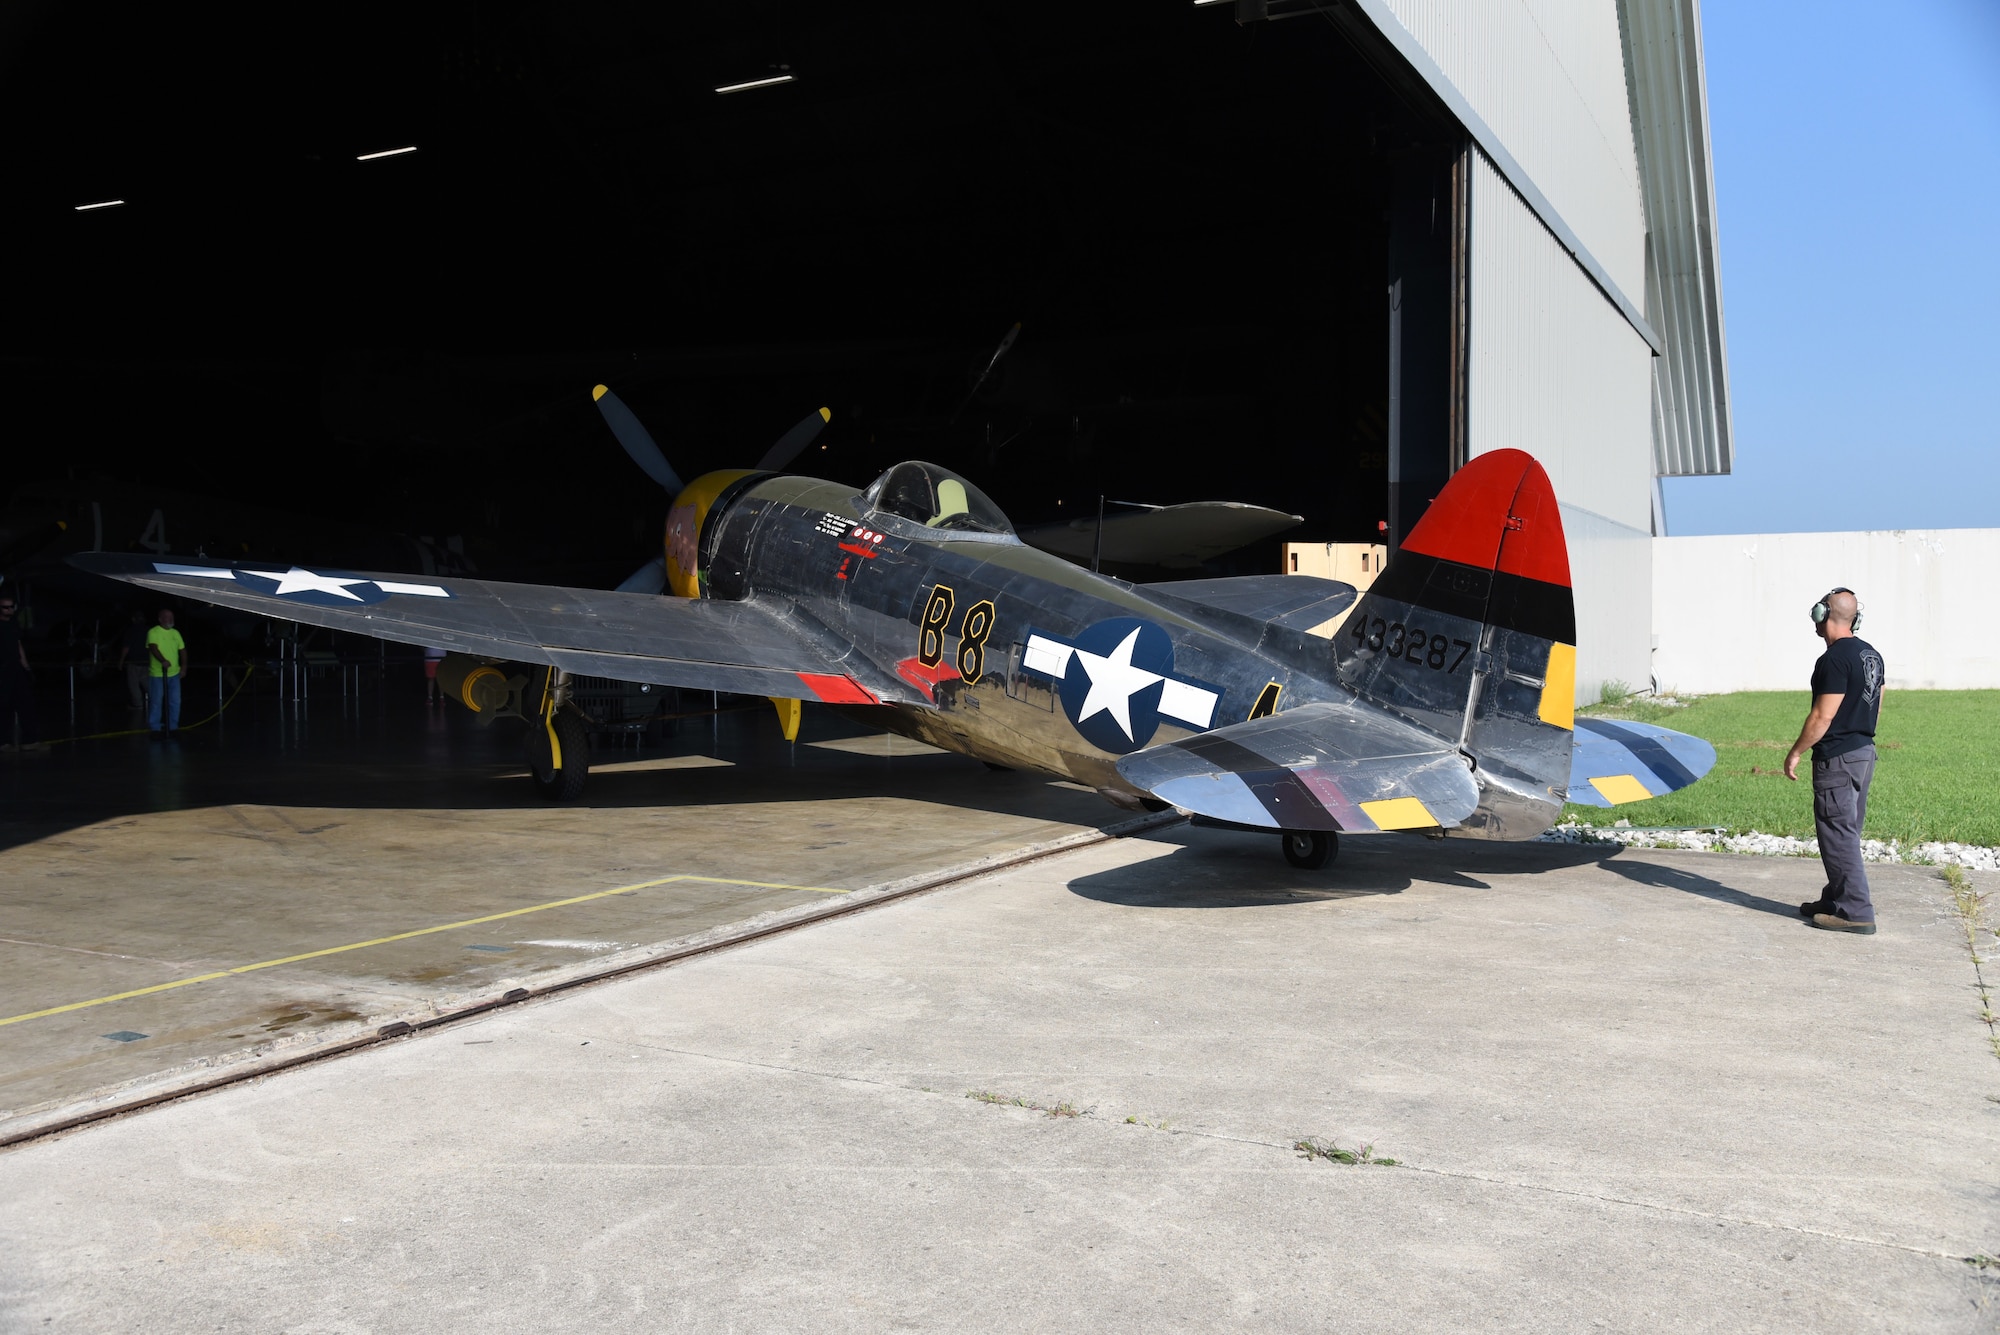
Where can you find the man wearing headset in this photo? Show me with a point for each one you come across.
(1847, 699)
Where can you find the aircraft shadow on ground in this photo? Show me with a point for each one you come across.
(1216, 869)
(1641, 872)
(131, 776)
(1220, 869)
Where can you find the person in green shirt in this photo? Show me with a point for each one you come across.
(166, 655)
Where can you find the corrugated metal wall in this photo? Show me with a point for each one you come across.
(1554, 369)
(1683, 283)
(1549, 77)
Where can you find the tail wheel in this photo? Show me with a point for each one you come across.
(563, 784)
(1309, 850)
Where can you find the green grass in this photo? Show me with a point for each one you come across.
(1938, 776)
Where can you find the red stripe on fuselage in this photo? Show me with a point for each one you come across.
(835, 690)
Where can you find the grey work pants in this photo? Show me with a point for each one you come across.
(1840, 805)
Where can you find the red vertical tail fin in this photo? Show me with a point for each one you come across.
(1471, 631)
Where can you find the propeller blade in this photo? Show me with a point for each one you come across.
(648, 578)
(638, 442)
(789, 444)
(991, 362)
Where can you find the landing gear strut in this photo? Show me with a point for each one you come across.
(1309, 850)
(564, 782)
(558, 738)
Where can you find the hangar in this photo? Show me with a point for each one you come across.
(1313, 256)
(338, 292)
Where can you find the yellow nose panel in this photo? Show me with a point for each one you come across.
(1618, 789)
(1399, 813)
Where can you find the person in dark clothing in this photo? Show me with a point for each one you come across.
(1847, 700)
(17, 684)
(133, 658)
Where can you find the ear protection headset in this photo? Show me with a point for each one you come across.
(1820, 611)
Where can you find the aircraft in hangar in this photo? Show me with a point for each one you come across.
(1442, 704)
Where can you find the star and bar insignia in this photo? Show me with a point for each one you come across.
(318, 588)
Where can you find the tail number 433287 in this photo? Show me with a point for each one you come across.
(1410, 644)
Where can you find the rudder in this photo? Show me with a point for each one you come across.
(1470, 631)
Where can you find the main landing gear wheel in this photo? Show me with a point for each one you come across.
(1309, 850)
(564, 784)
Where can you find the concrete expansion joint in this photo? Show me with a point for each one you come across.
(1969, 910)
(1288, 1147)
(1691, 1212)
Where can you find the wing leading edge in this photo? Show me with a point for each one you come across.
(751, 647)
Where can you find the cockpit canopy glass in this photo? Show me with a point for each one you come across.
(936, 498)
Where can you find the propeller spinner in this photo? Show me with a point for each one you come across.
(677, 573)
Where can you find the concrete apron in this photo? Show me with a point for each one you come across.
(1630, 1091)
(158, 952)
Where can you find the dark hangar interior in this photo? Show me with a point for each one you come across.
(1195, 221)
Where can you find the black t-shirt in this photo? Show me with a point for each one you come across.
(10, 644)
(135, 643)
(1851, 669)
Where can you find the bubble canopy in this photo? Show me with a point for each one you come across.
(934, 497)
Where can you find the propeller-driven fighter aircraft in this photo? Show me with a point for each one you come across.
(1443, 704)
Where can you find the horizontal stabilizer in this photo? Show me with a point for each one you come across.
(1327, 766)
(1615, 762)
(1293, 602)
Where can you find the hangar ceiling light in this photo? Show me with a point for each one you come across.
(101, 204)
(385, 153)
(754, 83)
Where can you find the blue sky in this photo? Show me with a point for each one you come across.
(1857, 179)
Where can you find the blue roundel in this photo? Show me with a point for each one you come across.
(1111, 687)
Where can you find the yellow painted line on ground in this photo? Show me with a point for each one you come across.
(405, 936)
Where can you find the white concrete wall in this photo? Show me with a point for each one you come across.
(1730, 612)
(1610, 570)
(1553, 369)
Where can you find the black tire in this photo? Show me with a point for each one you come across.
(997, 769)
(565, 784)
(1309, 850)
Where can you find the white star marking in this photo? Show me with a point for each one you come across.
(297, 580)
(1113, 683)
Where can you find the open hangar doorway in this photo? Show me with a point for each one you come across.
(1229, 248)
(1197, 223)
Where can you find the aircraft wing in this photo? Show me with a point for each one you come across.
(754, 647)
(1614, 762)
(1174, 536)
(1328, 766)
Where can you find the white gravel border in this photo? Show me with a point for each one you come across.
(1971, 856)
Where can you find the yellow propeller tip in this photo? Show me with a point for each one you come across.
(826, 414)
(599, 393)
